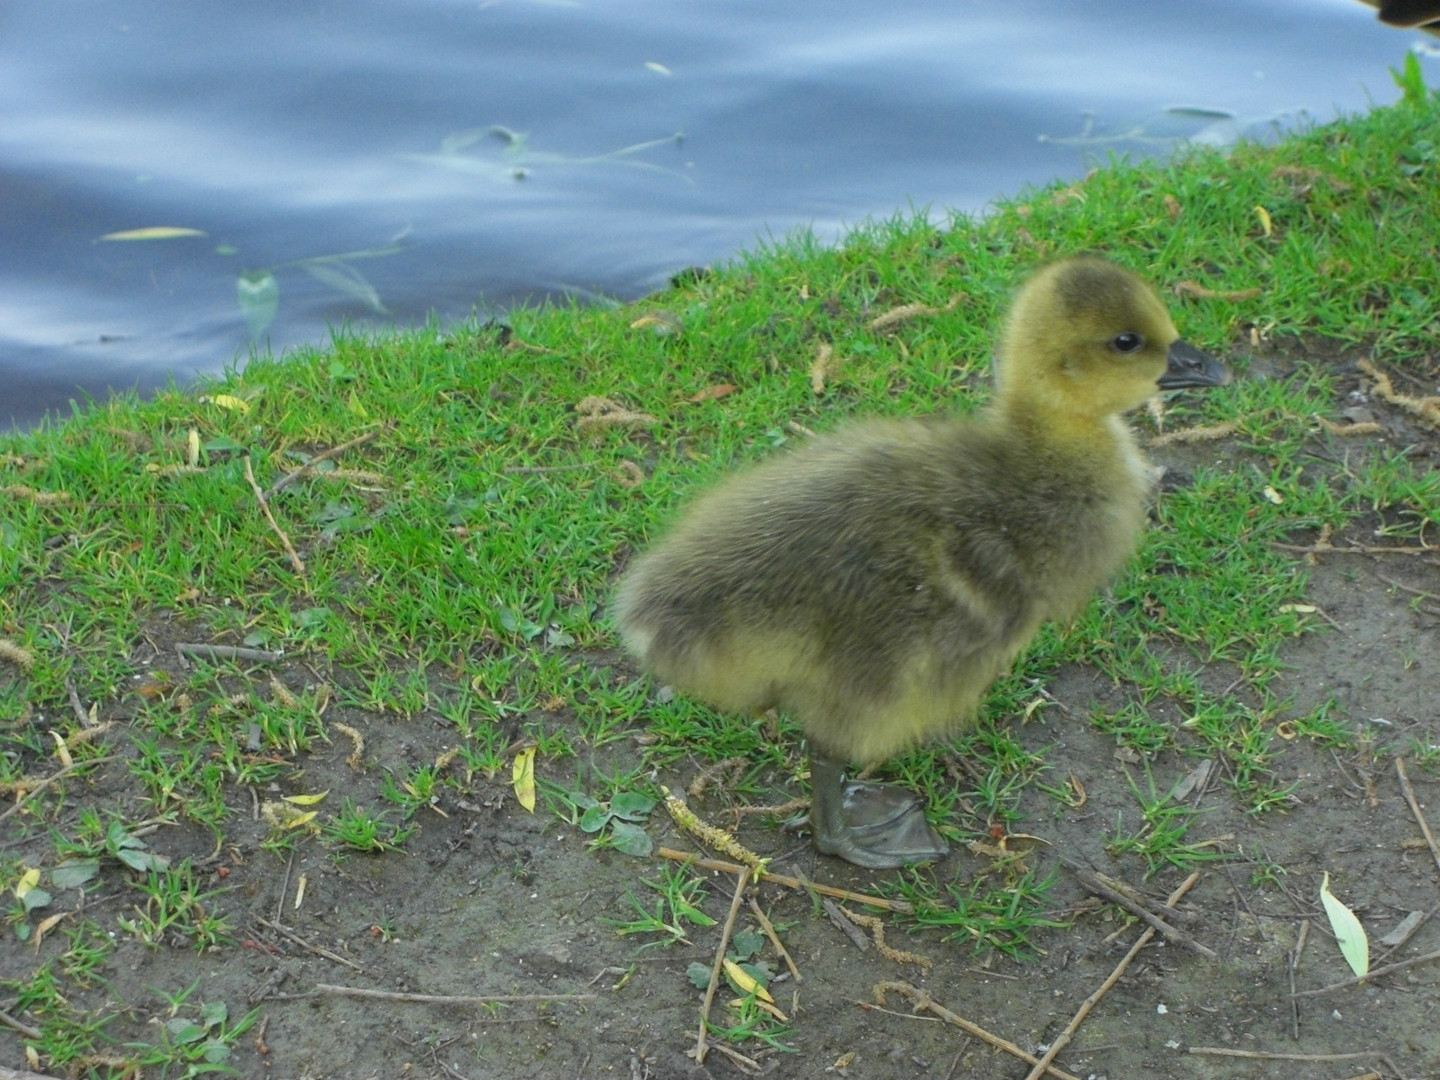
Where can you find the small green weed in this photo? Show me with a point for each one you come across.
(360, 830)
(680, 895)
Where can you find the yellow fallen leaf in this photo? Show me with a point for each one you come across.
(28, 881)
(301, 819)
(745, 982)
(61, 750)
(1349, 934)
(1266, 225)
(154, 232)
(46, 925)
(192, 448)
(227, 401)
(522, 778)
(306, 800)
(1273, 496)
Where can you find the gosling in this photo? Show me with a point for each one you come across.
(874, 582)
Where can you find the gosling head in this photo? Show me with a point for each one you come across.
(1088, 339)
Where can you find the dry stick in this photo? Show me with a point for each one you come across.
(769, 929)
(295, 560)
(1415, 809)
(1265, 1055)
(1359, 549)
(1063, 1039)
(309, 466)
(447, 999)
(1095, 885)
(902, 906)
(43, 784)
(298, 940)
(15, 1074)
(20, 1026)
(921, 999)
(1388, 969)
(196, 651)
(1295, 963)
(700, 1041)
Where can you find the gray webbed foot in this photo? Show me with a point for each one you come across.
(877, 826)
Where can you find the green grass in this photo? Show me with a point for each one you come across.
(456, 564)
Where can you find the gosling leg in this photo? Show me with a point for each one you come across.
(877, 826)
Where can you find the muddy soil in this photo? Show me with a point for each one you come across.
(486, 899)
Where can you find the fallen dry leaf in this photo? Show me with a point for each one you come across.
(1200, 292)
(711, 393)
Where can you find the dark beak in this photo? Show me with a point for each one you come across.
(1188, 366)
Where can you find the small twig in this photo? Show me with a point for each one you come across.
(1394, 944)
(1407, 588)
(1415, 809)
(1035, 685)
(295, 938)
(769, 928)
(284, 887)
(902, 906)
(194, 651)
(52, 778)
(921, 999)
(1295, 963)
(1388, 969)
(700, 1042)
(309, 466)
(15, 1074)
(739, 1059)
(20, 1026)
(522, 469)
(841, 922)
(1092, 882)
(447, 999)
(1359, 549)
(1266, 1055)
(76, 705)
(295, 559)
(1063, 1039)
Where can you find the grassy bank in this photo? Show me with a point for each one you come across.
(430, 601)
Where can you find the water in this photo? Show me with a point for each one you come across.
(469, 156)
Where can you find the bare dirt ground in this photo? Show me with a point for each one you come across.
(487, 899)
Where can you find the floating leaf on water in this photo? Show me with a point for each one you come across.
(1200, 111)
(259, 295)
(1349, 934)
(154, 232)
(345, 279)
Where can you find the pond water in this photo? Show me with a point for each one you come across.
(367, 162)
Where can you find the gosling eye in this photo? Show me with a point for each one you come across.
(1126, 342)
